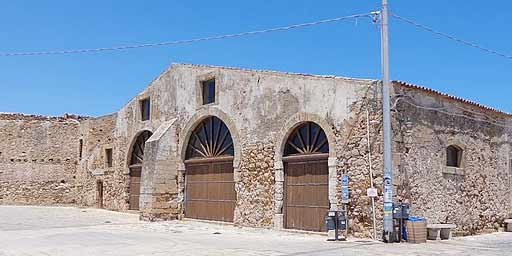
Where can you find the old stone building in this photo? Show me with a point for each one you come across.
(266, 149)
(38, 159)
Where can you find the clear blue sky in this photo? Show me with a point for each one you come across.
(101, 83)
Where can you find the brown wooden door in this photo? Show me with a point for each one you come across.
(135, 173)
(210, 190)
(99, 194)
(306, 196)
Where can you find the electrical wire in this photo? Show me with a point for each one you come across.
(456, 39)
(218, 37)
(442, 110)
(461, 108)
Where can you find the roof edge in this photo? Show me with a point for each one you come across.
(450, 97)
(274, 72)
(34, 117)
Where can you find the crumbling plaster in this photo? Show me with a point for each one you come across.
(477, 195)
(261, 109)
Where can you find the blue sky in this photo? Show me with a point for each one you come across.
(101, 83)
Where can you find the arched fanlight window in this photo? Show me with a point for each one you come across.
(308, 138)
(453, 156)
(211, 138)
(138, 148)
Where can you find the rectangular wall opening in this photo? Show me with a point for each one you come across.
(145, 109)
(108, 157)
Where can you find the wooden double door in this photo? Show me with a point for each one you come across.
(306, 200)
(210, 189)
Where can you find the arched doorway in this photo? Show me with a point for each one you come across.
(209, 182)
(306, 197)
(136, 160)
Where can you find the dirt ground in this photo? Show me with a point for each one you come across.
(27, 230)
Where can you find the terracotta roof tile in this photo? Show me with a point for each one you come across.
(448, 96)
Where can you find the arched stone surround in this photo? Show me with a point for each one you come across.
(184, 137)
(130, 147)
(196, 119)
(280, 140)
(126, 166)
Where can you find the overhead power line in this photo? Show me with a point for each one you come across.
(450, 113)
(210, 38)
(453, 38)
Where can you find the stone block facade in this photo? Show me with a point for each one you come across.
(476, 196)
(38, 159)
(261, 109)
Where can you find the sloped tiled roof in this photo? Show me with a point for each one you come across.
(451, 97)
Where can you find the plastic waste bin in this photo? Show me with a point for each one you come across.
(416, 230)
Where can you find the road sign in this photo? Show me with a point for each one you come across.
(345, 196)
(371, 192)
(344, 180)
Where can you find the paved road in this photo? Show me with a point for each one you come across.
(28, 230)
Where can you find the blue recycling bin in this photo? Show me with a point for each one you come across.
(412, 219)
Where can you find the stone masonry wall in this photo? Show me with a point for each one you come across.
(477, 196)
(255, 186)
(255, 105)
(38, 159)
(98, 135)
(118, 131)
(353, 154)
(260, 108)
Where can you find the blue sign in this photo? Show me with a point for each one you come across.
(344, 180)
(345, 196)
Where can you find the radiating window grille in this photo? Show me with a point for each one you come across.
(308, 138)
(211, 138)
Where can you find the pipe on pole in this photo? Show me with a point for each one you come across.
(371, 171)
(386, 113)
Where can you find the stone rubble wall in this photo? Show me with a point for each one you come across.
(119, 131)
(38, 159)
(98, 134)
(255, 186)
(260, 108)
(477, 196)
(352, 153)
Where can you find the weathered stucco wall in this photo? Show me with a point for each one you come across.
(261, 108)
(255, 105)
(118, 132)
(38, 159)
(477, 196)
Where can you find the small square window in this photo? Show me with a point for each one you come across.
(208, 90)
(145, 109)
(108, 157)
(453, 156)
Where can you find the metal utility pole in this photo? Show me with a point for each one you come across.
(386, 119)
